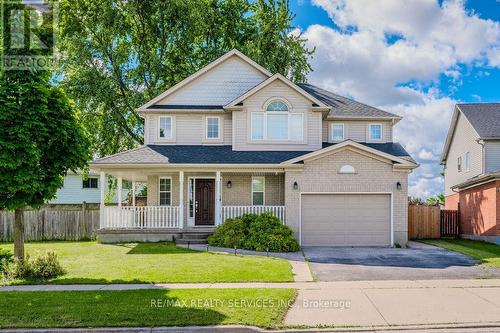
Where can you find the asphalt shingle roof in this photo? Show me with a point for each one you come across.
(343, 106)
(189, 154)
(484, 117)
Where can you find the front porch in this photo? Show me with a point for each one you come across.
(184, 202)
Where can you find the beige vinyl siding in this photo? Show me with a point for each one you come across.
(357, 130)
(256, 103)
(463, 141)
(219, 86)
(189, 129)
(372, 175)
(492, 156)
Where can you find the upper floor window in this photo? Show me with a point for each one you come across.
(165, 128)
(165, 191)
(467, 161)
(459, 163)
(277, 123)
(337, 131)
(375, 131)
(90, 182)
(213, 128)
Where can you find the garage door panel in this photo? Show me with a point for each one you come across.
(345, 219)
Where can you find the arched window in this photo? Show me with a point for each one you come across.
(347, 169)
(277, 122)
(277, 105)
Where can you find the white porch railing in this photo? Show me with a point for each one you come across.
(143, 217)
(229, 212)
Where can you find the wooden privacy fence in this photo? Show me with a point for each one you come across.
(423, 222)
(54, 222)
(449, 223)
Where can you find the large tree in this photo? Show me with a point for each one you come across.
(120, 53)
(41, 138)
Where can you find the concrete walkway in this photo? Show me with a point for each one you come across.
(360, 303)
(300, 268)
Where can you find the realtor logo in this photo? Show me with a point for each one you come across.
(28, 34)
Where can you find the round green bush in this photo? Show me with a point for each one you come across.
(255, 232)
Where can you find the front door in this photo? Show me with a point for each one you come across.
(204, 202)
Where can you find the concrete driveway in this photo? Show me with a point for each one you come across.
(419, 261)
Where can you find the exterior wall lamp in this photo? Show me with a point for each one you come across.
(229, 184)
(399, 186)
(295, 186)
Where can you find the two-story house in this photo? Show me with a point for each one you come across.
(234, 138)
(471, 157)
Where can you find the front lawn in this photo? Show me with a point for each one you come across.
(180, 307)
(92, 262)
(486, 252)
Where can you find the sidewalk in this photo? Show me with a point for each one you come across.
(360, 303)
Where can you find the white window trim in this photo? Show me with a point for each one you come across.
(159, 189)
(171, 137)
(265, 138)
(381, 132)
(331, 132)
(467, 161)
(91, 188)
(459, 164)
(219, 125)
(263, 189)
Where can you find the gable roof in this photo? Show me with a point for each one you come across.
(202, 71)
(483, 117)
(343, 107)
(403, 161)
(223, 154)
(270, 80)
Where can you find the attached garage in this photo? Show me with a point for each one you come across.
(346, 219)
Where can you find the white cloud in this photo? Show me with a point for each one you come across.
(400, 75)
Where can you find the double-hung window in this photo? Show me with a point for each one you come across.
(467, 161)
(165, 191)
(459, 163)
(277, 123)
(375, 132)
(213, 128)
(165, 128)
(337, 131)
(258, 187)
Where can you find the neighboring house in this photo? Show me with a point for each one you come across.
(234, 138)
(77, 188)
(471, 157)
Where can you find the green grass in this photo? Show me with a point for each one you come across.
(486, 252)
(91, 262)
(180, 307)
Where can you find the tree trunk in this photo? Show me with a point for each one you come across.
(18, 234)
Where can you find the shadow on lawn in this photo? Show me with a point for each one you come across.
(121, 308)
(155, 248)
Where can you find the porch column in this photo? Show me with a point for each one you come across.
(119, 191)
(102, 218)
(181, 199)
(133, 193)
(217, 199)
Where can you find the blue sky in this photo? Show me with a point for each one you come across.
(415, 60)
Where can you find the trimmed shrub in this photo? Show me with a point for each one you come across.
(44, 266)
(267, 232)
(229, 234)
(255, 232)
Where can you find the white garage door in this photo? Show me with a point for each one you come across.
(346, 219)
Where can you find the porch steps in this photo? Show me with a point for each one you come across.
(193, 238)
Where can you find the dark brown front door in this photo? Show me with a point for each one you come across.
(205, 202)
